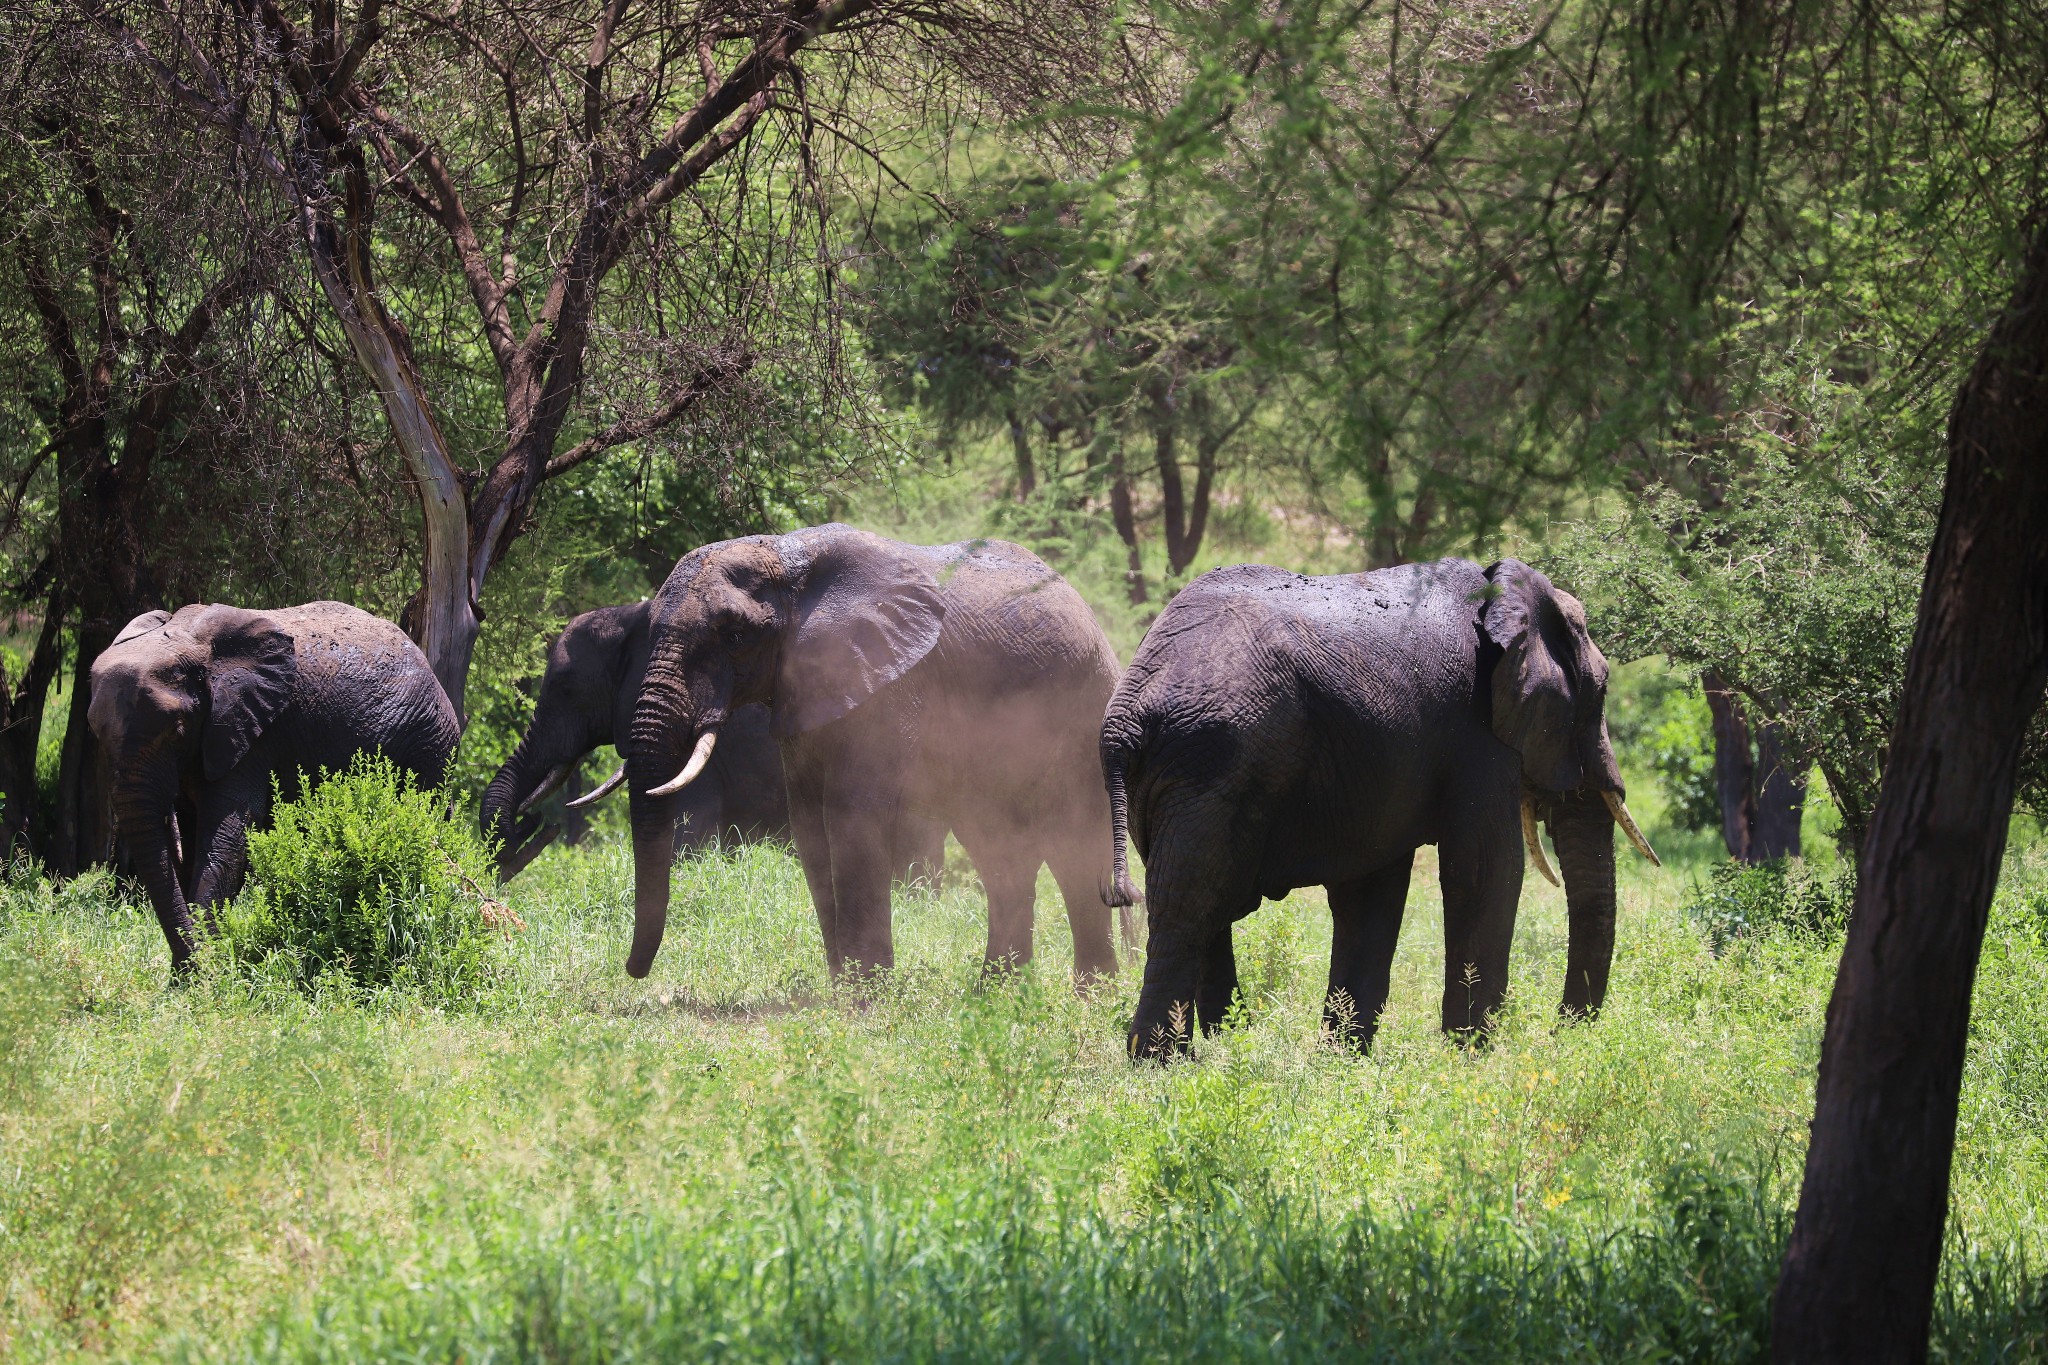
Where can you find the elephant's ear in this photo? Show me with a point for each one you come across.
(1549, 687)
(142, 625)
(866, 611)
(250, 672)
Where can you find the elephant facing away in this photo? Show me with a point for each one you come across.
(1278, 731)
(198, 711)
(959, 684)
(586, 700)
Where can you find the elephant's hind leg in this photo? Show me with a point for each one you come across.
(1365, 924)
(1082, 872)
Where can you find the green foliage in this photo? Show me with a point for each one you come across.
(363, 877)
(1742, 900)
(1669, 730)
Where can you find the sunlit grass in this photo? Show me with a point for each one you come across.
(735, 1158)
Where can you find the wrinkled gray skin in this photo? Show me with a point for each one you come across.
(586, 700)
(962, 684)
(197, 711)
(1277, 731)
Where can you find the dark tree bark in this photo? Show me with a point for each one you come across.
(1780, 796)
(21, 728)
(1734, 771)
(1760, 789)
(1859, 1274)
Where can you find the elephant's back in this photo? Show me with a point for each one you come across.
(1013, 616)
(363, 682)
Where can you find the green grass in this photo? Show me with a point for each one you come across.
(731, 1160)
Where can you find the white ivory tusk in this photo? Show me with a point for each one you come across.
(699, 756)
(1535, 845)
(1619, 809)
(605, 788)
(555, 778)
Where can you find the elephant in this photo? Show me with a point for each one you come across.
(595, 669)
(963, 684)
(1278, 731)
(198, 711)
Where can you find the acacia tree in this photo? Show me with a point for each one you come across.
(133, 300)
(640, 187)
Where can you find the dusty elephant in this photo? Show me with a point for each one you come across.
(198, 711)
(1278, 731)
(959, 684)
(586, 700)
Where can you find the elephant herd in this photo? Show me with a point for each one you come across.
(863, 697)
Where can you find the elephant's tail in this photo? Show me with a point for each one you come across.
(1121, 891)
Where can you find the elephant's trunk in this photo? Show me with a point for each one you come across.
(667, 725)
(1582, 828)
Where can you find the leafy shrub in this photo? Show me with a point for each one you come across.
(1748, 900)
(1681, 753)
(364, 877)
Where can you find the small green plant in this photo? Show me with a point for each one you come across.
(364, 877)
(1748, 900)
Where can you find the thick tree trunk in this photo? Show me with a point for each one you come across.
(1780, 796)
(1859, 1275)
(21, 735)
(82, 831)
(1734, 770)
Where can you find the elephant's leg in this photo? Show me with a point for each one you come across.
(1365, 924)
(1080, 873)
(1481, 876)
(1196, 884)
(860, 822)
(1010, 877)
(1219, 979)
(814, 852)
(218, 843)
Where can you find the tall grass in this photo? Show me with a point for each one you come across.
(735, 1160)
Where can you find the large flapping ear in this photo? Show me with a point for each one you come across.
(251, 668)
(1548, 688)
(866, 611)
(141, 625)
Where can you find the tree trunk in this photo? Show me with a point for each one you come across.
(1172, 497)
(21, 734)
(82, 833)
(1734, 770)
(1859, 1274)
(1126, 521)
(1020, 445)
(1780, 795)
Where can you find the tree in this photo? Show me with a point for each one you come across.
(1055, 311)
(655, 208)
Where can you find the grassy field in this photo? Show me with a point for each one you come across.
(730, 1161)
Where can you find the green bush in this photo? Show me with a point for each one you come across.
(364, 877)
(1747, 900)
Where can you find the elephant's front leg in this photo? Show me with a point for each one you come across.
(218, 843)
(860, 825)
(1365, 924)
(1481, 876)
(814, 851)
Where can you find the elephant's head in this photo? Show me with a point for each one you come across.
(810, 624)
(1549, 703)
(585, 701)
(179, 694)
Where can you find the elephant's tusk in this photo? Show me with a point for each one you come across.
(1619, 810)
(1535, 844)
(606, 788)
(699, 756)
(555, 778)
